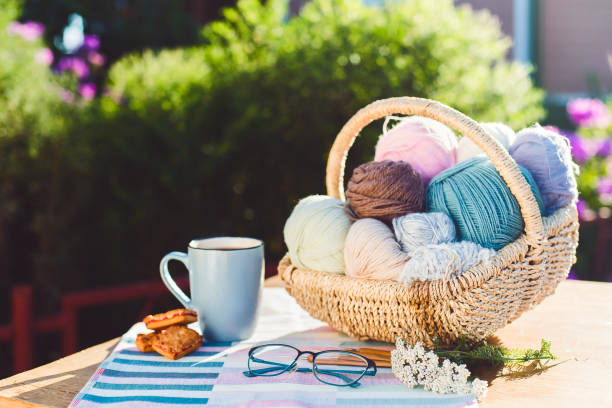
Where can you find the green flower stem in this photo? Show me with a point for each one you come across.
(495, 356)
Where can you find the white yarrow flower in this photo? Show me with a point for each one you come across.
(414, 366)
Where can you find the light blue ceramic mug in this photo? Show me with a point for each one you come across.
(225, 279)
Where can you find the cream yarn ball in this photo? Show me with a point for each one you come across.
(372, 252)
(468, 149)
(315, 233)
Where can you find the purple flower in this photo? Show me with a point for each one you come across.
(29, 31)
(91, 42)
(604, 186)
(604, 147)
(95, 58)
(589, 112)
(80, 68)
(582, 149)
(583, 209)
(64, 64)
(572, 275)
(44, 56)
(76, 65)
(88, 90)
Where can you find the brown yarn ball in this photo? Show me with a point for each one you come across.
(384, 190)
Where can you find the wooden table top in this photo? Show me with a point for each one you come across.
(577, 319)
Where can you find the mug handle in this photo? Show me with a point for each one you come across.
(169, 282)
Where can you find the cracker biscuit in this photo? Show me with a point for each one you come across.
(175, 342)
(144, 342)
(176, 316)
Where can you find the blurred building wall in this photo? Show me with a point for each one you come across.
(574, 38)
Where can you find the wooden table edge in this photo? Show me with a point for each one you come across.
(6, 402)
(579, 290)
(109, 345)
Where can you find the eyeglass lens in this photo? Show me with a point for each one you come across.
(330, 367)
(272, 359)
(339, 368)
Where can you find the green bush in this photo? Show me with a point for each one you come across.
(32, 117)
(225, 137)
(29, 92)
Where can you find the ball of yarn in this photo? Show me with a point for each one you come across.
(415, 230)
(371, 251)
(468, 149)
(426, 144)
(480, 203)
(315, 233)
(547, 156)
(384, 190)
(437, 261)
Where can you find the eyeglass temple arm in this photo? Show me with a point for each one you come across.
(259, 360)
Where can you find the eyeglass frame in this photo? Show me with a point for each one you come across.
(293, 366)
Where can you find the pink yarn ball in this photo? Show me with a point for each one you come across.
(428, 146)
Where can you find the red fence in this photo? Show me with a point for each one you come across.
(24, 327)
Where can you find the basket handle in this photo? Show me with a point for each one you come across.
(501, 159)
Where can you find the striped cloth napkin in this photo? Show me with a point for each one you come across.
(212, 375)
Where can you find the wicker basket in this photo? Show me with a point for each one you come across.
(474, 304)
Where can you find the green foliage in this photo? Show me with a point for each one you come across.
(226, 136)
(29, 93)
(247, 118)
(33, 119)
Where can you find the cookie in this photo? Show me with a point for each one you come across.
(176, 316)
(144, 342)
(175, 342)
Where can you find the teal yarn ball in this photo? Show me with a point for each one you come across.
(479, 202)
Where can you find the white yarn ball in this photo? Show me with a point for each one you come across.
(415, 230)
(439, 261)
(468, 149)
(315, 233)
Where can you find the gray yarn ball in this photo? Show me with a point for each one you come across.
(415, 230)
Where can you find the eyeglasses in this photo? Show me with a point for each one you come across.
(334, 367)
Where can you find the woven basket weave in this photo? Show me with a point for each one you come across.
(473, 304)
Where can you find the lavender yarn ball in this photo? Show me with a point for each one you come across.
(547, 155)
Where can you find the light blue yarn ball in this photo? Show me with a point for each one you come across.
(480, 203)
(415, 230)
(548, 157)
(443, 261)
